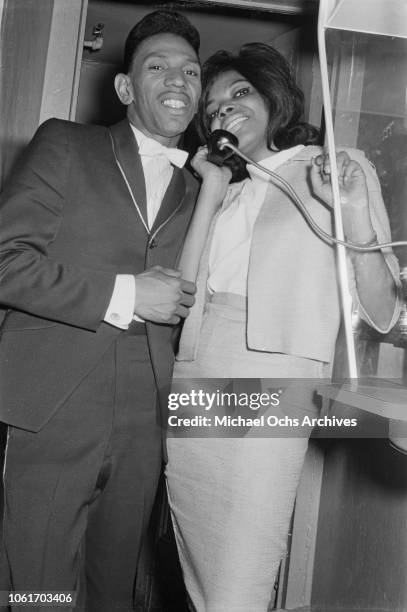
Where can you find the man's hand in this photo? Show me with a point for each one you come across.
(162, 296)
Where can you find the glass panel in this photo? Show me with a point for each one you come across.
(369, 98)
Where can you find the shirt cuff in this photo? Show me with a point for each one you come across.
(120, 311)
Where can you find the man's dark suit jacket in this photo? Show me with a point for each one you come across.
(68, 225)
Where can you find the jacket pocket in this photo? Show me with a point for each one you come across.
(20, 321)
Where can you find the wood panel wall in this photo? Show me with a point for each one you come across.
(24, 39)
(361, 552)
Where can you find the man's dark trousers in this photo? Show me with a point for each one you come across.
(94, 466)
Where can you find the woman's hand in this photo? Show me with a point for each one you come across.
(353, 193)
(215, 179)
(352, 181)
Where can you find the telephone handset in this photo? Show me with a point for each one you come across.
(225, 156)
(219, 156)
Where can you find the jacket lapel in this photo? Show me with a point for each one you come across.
(127, 155)
(172, 199)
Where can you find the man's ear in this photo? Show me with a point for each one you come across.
(124, 89)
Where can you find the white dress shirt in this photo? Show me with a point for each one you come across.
(230, 249)
(158, 171)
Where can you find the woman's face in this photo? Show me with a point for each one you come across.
(233, 104)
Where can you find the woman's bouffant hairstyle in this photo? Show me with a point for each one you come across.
(268, 71)
(159, 22)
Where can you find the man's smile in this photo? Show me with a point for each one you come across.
(175, 101)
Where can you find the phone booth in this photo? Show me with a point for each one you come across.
(363, 48)
(361, 545)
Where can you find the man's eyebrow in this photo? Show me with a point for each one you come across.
(154, 54)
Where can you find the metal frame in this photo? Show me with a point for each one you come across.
(289, 7)
(325, 11)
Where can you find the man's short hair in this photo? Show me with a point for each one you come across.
(159, 22)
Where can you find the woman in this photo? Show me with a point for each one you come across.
(266, 307)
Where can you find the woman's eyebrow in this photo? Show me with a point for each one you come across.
(239, 80)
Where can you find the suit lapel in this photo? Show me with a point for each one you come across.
(127, 155)
(173, 198)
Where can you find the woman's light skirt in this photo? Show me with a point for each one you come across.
(232, 498)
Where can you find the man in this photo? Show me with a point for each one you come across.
(87, 219)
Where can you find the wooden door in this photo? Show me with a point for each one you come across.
(40, 51)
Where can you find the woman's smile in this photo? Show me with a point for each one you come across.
(232, 124)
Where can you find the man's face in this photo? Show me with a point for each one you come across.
(162, 87)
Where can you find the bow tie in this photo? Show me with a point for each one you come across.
(151, 148)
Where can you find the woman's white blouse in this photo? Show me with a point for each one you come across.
(230, 248)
